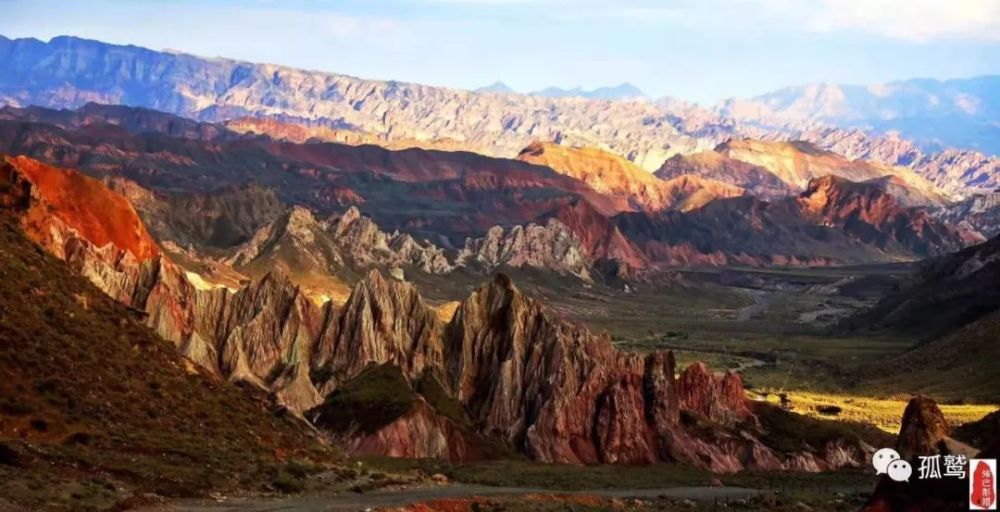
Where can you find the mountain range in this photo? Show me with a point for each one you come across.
(624, 91)
(935, 114)
(448, 200)
(68, 72)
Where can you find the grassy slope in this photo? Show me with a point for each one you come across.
(94, 406)
(960, 367)
(884, 413)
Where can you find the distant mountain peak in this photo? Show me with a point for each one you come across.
(622, 91)
(497, 87)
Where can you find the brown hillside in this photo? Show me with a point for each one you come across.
(94, 407)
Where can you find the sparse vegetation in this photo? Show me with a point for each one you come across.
(376, 397)
(885, 414)
(97, 408)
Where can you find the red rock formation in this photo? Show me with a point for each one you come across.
(923, 429)
(420, 433)
(49, 195)
(383, 321)
(514, 372)
(561, 394)
(600, 238)
(873, 216)
(721, 400)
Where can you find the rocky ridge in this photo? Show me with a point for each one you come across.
(979, 213)
(449, 197)
(833, 220)
(714, 165)
(954, 171)
(645, 132)
(873, 216)
(551, 246)
(634, 187)
(799, 162)
(535, 383)
(219, 89)
(312, 251)
(959, 112)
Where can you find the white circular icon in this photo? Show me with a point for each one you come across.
(900, 470)
(882, 458)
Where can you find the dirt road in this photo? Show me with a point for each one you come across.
(759, 305)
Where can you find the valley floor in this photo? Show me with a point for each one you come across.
(778, 328)
(513, 485)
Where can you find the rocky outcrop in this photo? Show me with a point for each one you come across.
(550, 247)
(720, 400)
(561, 394)
(255, 335)
(924, 432)
(980, 213)
(54, 201)
(421, 433)
(102, 377)
(367, 245)
(383, 322)
(869, 214)
(314, 252)
(601, 239)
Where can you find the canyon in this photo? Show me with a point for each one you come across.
(527, 380)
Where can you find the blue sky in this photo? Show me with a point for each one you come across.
(696, 50)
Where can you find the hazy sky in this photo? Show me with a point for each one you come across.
(698, 50)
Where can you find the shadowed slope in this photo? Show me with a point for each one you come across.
(88, 393)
